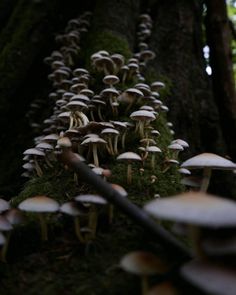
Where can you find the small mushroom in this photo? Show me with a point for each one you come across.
(40, 205)
(143, 264)
(208, 161)
(129, 157)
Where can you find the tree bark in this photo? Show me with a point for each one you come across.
(178, 42)
(219, 41)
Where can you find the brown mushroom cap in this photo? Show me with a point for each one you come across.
(196, 208)
(211, 278)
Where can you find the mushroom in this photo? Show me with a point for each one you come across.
(40, 205)
(208, 161)
(6, 227)
(212, 278)
(197, 209)
(129, 157)
(94, 142)
(72, 209)
(143, 264)
(142, 117)
(93, 201)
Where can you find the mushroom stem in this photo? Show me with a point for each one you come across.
(129, 173)
(141, 129)
(5, 247)
(95, 155)
(206, 179)
(44, 228)
(93, 220)
(123, 139)
(116, 145)
(100, 114)
(77, 229)
(110, 146)
(144, 283)
(38, 168)
(71, 121)
(195, 235)
(153, 162)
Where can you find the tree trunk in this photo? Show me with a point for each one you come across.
(219, 41)
(178, 43)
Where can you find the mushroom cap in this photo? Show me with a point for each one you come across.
(44, 146)
(153, 149)
(209, 160)
(4, 205)
(184, 171)
(142, 263)
(93, 140)
(4, 224)
(175, 147)
(110, 131)
(64, 142)
(181, 142)
(142, 115)
(213, 279)
(70, 208)
(39, 204)
(34, 152)
(91, 199)
(129, 156)
(111, 79)
(120, 189)
(195, 208)
(14, 216)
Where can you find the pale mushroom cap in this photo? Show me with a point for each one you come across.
(142, 115)
(211, 278)
(4, 224)
(181, 142)
(111, 79)
(184, 171)
(153, 149)
(2, 239)
(4, 205)
(39, 204)
(129, 156)
(209, 160)
(91, 140)
(142, 263)
(195, 208)
(64, 142)
(34, 152)
(110, 131)
(120, 189)
(70, 208)
(175, 147)
(14, 216)
(92, 199)
(44, 146)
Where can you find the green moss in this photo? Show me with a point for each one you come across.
(105, 40)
